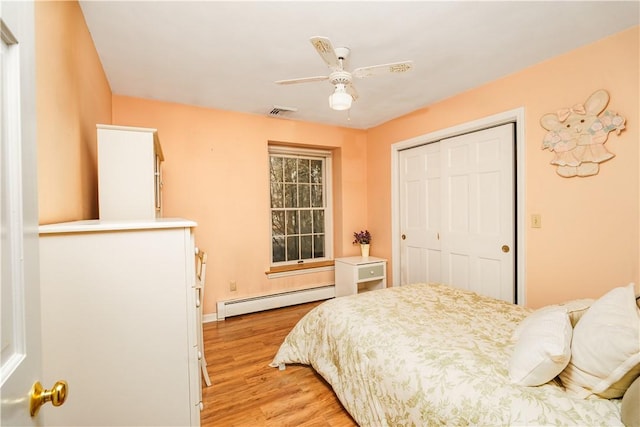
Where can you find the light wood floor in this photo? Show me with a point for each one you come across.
(245, 391)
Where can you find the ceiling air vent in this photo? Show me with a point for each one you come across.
(279, 111)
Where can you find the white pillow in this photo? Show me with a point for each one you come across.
(574, 308)
(605, 351)
(543, 348)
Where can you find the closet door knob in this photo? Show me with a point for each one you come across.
(505, 248)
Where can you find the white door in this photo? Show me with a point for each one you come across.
(20, 361)
(465, 235)
(478, 225)
(420, 222)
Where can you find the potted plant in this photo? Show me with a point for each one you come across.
(363, 238)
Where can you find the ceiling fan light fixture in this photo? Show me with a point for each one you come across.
(344, 92)
(340, 100)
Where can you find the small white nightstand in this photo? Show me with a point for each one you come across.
(354, 274)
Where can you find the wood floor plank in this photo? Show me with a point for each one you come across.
(245, 391)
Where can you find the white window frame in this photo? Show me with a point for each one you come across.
(327, 197)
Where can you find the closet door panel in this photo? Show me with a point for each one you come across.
(478, 216)
(420, 195)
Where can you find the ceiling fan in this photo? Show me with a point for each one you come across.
(342, 80)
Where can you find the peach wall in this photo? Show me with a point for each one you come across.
(590, 234)
(73, 94)
(588, 242)
(216, 172)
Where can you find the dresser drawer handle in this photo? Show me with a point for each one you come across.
(372, 272)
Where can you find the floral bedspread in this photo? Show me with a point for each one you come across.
(428, 354)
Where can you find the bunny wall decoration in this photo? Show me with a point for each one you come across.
(577, 135)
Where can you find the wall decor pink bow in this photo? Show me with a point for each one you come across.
(564, 113)
(577, 135)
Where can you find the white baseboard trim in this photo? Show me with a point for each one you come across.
(267, 302)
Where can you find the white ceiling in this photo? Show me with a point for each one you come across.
(227, 55)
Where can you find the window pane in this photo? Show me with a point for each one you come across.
(306, 250)
(277, 196)
(277, 223)
(290, 196)
(318, 246)
(304, 192)
(292, 248)
(276, 169)
(318, 221)
(292, 223)
(298, 202)
(316, 171)
(303, 170)
(277, 245)
(316, 196)
(306, 226)
(290, 170)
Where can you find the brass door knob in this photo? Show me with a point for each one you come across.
(505, 248)
(39, 396)
(403, 236)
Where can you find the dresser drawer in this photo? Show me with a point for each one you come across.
(371, 271)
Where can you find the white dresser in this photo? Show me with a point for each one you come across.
(129, 173)
(356, 273)
(119, 322)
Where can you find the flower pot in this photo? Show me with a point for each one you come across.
(364, 251)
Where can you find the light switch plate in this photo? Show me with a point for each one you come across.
(536, 221)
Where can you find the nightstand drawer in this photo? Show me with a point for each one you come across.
(372, 271)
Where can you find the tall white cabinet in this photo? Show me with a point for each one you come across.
(119, 322)
(129, 173)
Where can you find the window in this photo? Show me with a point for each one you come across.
(300, 205)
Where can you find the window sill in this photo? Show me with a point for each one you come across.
(305, 268)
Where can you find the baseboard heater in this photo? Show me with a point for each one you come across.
(267, 302)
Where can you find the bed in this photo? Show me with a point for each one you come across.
(429, 354)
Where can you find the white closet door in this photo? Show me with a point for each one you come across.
(420, 223)
(477, 238)
(458, 212)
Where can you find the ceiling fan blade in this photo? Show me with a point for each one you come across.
(302, 80)
(374, 70)
(352, 91)
(325, 50)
